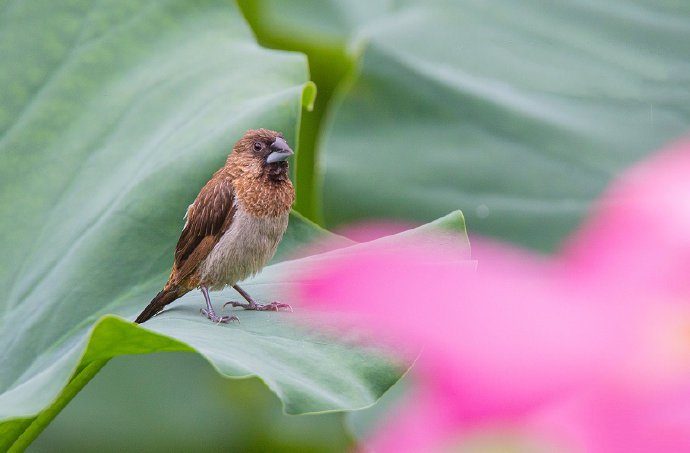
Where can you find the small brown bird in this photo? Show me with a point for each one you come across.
(234, 226)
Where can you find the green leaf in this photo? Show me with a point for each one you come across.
(307, 369)
(518, 113)
(363, 424)
(113, 114)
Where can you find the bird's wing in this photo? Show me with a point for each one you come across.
(207, 219)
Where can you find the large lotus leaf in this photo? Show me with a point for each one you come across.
(517, 112)
(112, 116)
(306, 368)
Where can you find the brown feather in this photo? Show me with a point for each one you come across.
(207, 219)
(260, 193)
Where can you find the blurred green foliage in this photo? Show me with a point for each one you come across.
(295, 26)
(178, 402)
(517, 113)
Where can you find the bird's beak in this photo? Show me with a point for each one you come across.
(281, 151)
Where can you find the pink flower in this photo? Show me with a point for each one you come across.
(588, 350)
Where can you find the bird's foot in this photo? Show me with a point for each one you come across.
(273, 306)
(218, 319)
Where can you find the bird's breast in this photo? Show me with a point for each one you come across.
(244, 249)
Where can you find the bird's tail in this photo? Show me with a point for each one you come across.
(163, 298)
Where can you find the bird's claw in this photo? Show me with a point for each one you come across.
(218, 319)
(273, 306)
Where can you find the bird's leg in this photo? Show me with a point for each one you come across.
(251, 305)
(210, 313)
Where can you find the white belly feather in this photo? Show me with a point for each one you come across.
(244, 249)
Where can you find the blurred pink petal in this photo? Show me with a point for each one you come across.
(639, 236)
(421, 423)
(373, 230)
(608, 422)
(591, 348)
(501, 340)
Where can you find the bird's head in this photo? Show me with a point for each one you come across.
(262, 151)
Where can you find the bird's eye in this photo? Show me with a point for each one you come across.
(258, 146)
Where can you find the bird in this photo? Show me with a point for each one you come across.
(233, 227)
